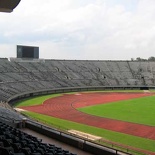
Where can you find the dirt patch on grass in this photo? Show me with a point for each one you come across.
(85, 135)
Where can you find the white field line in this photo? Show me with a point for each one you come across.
(84, 135)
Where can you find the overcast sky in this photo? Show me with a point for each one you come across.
(81, 29)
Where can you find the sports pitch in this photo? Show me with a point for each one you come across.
(139, 110)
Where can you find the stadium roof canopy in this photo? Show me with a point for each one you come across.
(8, 5)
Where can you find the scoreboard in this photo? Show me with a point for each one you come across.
(30, 52)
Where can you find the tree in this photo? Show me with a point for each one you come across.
(140, 59)
(151, 58)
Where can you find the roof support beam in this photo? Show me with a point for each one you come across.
(8, 5)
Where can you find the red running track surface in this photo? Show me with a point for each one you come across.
(64, 107)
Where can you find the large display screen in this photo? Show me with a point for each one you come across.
(27, 52)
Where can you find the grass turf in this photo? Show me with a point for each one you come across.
(35, 100)
(140, 110)
(129, 140)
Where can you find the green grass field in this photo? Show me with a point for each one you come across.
(35, 100)
(140, 110)
(134, 108)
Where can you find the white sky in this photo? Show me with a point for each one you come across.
(81, 29)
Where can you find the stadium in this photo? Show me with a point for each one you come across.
(89, 106)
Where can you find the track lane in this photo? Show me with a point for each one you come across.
(64, 107)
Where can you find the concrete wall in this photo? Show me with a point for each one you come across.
(77, 142)
(18, 97)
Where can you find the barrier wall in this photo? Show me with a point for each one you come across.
(82, 144)
(18, 97)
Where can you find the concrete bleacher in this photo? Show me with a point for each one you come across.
(24, 76)
(9, 115)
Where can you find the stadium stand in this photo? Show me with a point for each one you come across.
(25, 78)
(15, 142)
(9, 115)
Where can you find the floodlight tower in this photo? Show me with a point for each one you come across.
(8, 5)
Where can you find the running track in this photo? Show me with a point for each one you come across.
(64, 107)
